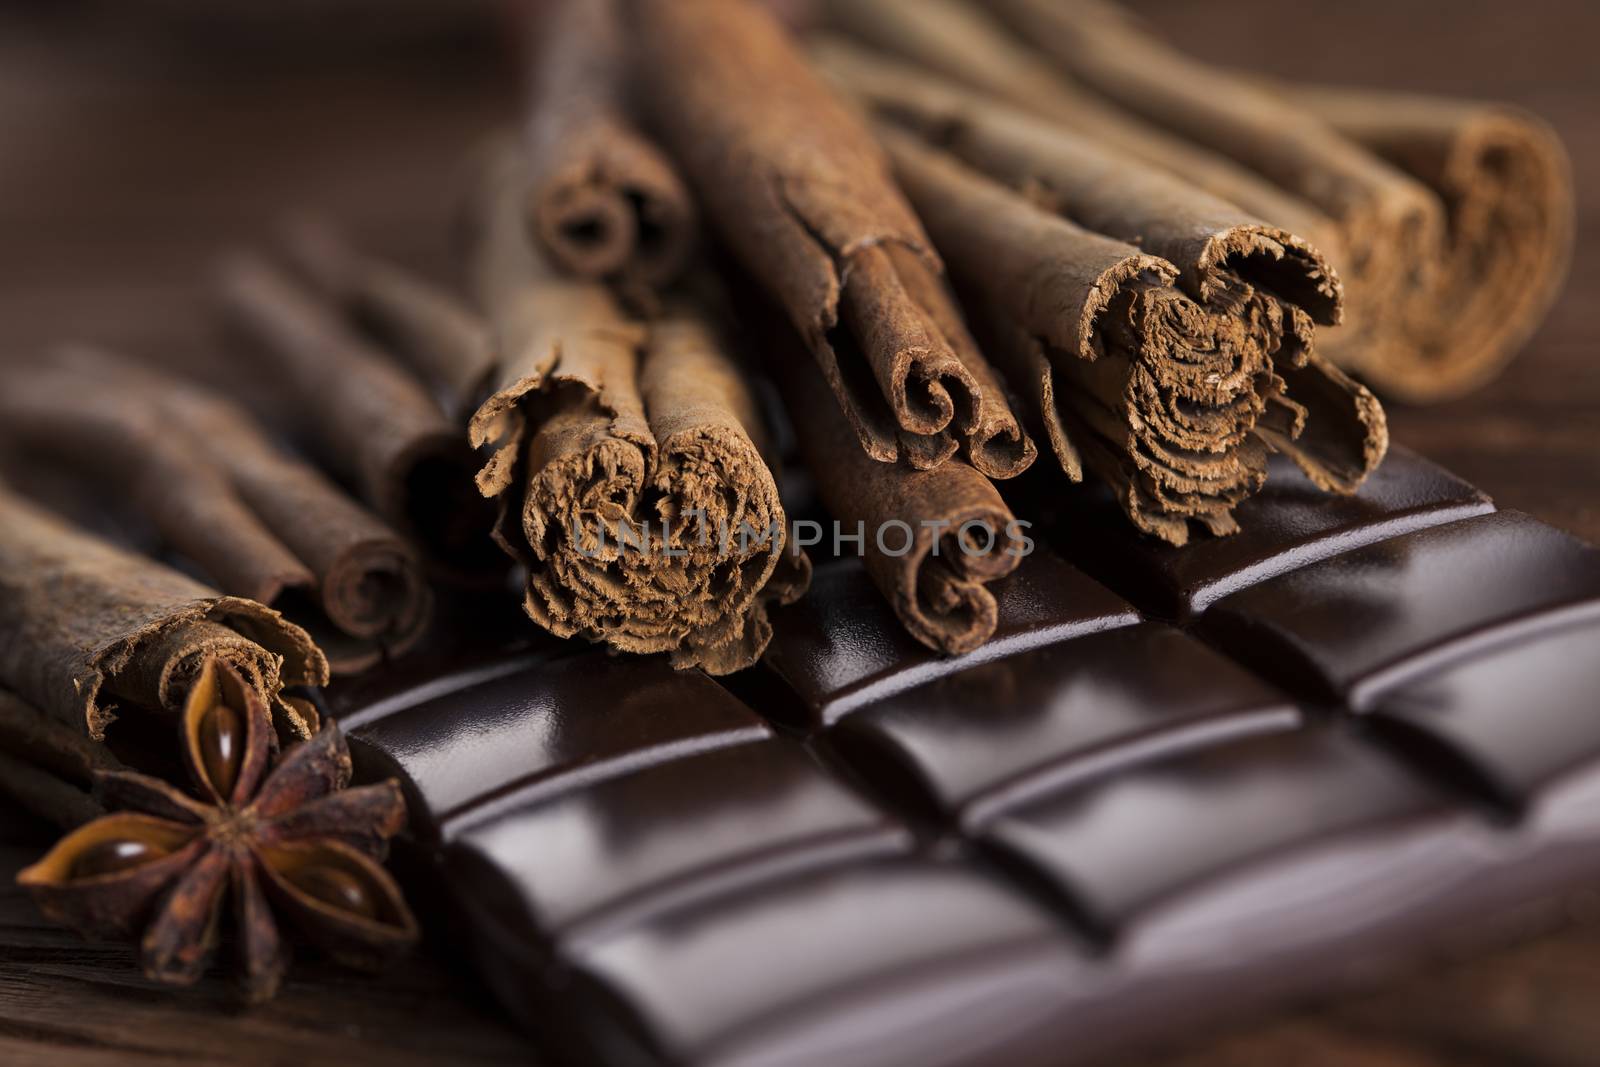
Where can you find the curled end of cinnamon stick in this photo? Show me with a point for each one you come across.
(1001, 450)
(602, 200)
(1277, 261)
(1506, 185)
(941, 592)
(916, 367)
(1331, 426)
(630, 221)
(585, 228)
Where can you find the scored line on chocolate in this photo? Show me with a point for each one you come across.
(550, 782)
(1331, 632)
(1295, 528)
(1337, 544)
(1527, 626)
(879, 686)
(1122, 754)
(446, 685)
(1430, 847)
(736, 874)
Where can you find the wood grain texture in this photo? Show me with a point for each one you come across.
(124, 168)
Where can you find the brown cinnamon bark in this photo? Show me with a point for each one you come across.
(441, 341)
(46, 795)
(48, 767)
(1333, 429)
(87, 628)
(966, 44)
(1158, 392)
(260, 524)
(1099, 187)
(625, 460)
(27, 733)
(800, 192)
(931, 540)
(1506, 186)
(603, 202)
(1455, 219)
(365, 418)
(1384, 215)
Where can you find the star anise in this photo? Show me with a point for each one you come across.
(293, 844)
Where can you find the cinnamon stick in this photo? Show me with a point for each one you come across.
(1159, 393)
(624, 456)
(1376, 205)
(48, 767)
(46, 795)
(1408, 183)
(1332, 428)
(966, 44)
(438, 337)
(259, 523)
(26, 732)
(801, 194)
(366, 420)
(87, 628)
(603, 202)
(992, 439)
(1506, 186)
(931, 540)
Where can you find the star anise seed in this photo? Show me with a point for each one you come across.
(290, 844)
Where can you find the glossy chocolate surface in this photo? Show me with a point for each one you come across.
(1514, 720)
(496, 738)
(1053, 715)
(1118, 848)
(1369, 731)
(810, 970)
(841, 647)
(1355, 625)
(1290, 526)
(625, 842)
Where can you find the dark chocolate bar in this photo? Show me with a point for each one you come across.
(1055, 715)
(1194, 785)
(1293, 526)
(841, 647)
(1351, 627)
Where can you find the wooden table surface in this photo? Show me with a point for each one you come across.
(129, 159)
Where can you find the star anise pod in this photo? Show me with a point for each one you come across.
(292, 844)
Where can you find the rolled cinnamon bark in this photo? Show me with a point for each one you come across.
(48, 767)
(624, 458)
(801, 194)
(931, 540)
(603, 202)
(1436, 303)
(441, 341)
(258, 523)
(45, 795)
(1093, 183)
(1171, 398)
(966, 44)
(366, 419)
(1506, 186)
(1385, 216)
(1334, 429)
(87, 628)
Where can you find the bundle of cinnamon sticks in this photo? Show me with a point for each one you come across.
(961, 238)
(1002, 227)
(1449, 221)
